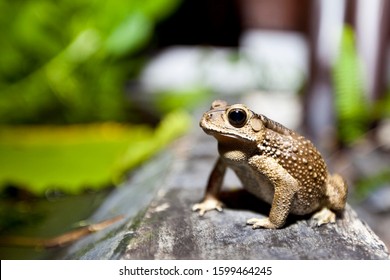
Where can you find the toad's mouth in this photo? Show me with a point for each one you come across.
(228, 137)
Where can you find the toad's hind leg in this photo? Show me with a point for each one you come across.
(336, 197)
(324, 216)
(336, 192)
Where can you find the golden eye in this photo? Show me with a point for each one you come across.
(237, 117)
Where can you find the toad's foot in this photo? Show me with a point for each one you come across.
(207, 205)
(324, 216)
(261, 223)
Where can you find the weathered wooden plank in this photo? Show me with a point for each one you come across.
(160, 224)
(170, 230)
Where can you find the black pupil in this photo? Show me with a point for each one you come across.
(237, 117)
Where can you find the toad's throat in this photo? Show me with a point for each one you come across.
(223, 136)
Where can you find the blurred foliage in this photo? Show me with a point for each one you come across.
(354, 112)
(366, 185)
(352, 109)
(77, 157)
(382, 107)
(183, 98)
(67, 61)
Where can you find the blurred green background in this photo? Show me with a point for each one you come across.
(67, 62)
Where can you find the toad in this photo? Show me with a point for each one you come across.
(274, 163)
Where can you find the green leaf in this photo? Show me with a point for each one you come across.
(158, 9)
(130, 35)
(351, 106)
(78, 157)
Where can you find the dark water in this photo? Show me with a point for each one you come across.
(47, 217)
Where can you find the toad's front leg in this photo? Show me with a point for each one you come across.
(211, 200)
(285, 188)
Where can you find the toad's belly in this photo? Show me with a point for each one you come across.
(258, 184)
(255, 182)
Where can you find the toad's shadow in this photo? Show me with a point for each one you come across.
(240, 199)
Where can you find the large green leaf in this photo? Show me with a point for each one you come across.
(78, 157)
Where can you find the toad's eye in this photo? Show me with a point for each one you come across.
(237, 117)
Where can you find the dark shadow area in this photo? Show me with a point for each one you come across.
(241, 199)
(195, 22)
